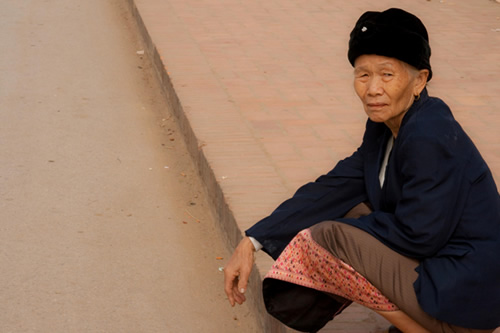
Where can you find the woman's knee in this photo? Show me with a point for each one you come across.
(335, 237)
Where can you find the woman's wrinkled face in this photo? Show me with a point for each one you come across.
(386, 87)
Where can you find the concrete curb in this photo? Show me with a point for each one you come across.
(221, 209)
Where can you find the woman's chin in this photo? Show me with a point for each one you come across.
(376, 119)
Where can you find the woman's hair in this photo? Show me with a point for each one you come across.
(412, 71)
(393, 33)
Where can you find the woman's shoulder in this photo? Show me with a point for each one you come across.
(433, 111)
(432, 128)
(432, 120)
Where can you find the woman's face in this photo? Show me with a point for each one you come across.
(386, 87)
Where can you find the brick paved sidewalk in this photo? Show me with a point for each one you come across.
(263, 90)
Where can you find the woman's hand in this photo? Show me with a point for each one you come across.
(237, 271)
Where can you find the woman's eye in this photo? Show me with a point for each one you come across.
(387, 74)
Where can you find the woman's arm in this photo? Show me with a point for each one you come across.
(329, 197)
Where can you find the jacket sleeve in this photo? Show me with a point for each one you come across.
(327, 198)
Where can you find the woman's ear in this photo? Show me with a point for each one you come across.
(421, 81)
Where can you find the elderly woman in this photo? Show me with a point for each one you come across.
(408, 226)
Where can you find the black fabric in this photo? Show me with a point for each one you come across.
(301, 308)
(393, 33)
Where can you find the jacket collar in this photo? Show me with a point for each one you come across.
(376, 138)
(417, 105)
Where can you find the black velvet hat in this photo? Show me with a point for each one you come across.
(393, 33)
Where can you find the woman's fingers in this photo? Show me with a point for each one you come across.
(230, 284)
(238, 295)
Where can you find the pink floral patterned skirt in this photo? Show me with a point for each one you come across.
(306, 263)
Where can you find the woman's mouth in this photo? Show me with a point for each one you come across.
(376, 106)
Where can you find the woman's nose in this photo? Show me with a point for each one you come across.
(375, 86)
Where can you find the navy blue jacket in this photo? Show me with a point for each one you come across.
(439, 204)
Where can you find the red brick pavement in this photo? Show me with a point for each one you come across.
(265, 92)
